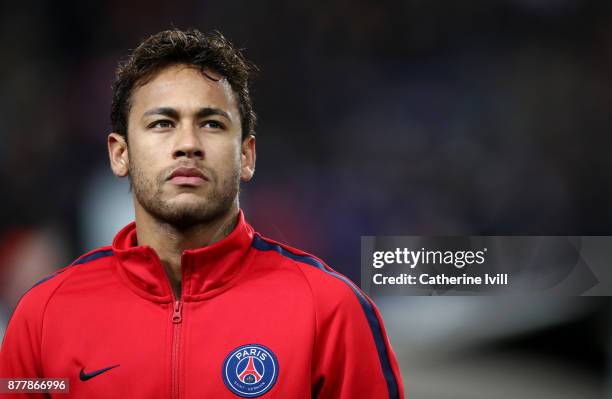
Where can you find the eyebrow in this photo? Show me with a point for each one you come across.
(173, 113)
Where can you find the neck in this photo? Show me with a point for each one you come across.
(170, 241)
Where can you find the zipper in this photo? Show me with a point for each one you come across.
(177, 319)
(177, 316)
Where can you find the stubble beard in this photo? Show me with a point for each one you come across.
(216, 203)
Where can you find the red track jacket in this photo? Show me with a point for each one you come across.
(256, 319)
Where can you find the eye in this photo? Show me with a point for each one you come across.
(213, 124)
(161, 124)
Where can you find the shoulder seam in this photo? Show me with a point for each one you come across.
(42, 323)
(97, 254)
(263, 244)
(57, 273)
(93, 255)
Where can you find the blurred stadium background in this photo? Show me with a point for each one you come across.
(376, 117)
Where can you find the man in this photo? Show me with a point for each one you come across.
(188, 301)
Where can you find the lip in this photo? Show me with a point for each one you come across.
(185, 176)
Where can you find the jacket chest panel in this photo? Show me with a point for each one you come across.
(101, 348)
(266, 326)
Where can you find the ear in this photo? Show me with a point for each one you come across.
(247, 158)
(118, 154)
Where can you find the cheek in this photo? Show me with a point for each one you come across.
(143, 161)
(226, 156)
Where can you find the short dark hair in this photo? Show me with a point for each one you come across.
(191, 47)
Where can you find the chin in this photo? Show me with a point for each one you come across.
(193, 211)
(187, 201)
(189, 207)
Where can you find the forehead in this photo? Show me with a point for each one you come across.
(186, 89)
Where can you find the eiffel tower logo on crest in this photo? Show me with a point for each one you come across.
(250, 375)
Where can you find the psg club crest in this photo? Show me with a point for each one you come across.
(250, 370)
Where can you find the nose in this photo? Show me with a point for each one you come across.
(188, 144)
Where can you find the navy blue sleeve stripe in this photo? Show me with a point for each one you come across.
(79, 261)
(85, 259)
(260, 244)
(93, 256)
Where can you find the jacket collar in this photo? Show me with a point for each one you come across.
(206, 271)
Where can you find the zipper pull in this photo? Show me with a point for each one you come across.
(176, 316)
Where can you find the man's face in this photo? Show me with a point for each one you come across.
(185, 155)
